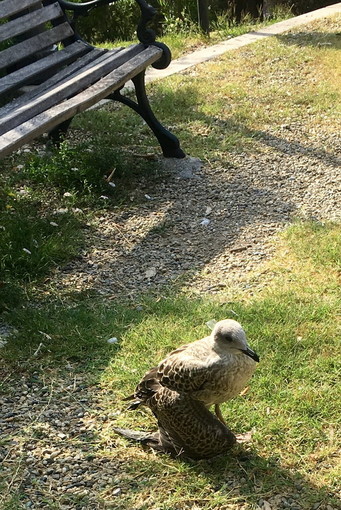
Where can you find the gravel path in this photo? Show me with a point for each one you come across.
(49, 448)
(202, 227)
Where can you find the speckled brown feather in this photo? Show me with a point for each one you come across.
(207, 371)
(187, 382)
(185, 426)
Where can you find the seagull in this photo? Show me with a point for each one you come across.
(211, 370)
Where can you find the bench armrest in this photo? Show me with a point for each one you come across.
(145, 35)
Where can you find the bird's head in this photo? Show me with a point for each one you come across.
(230, 336)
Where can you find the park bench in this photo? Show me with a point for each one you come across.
(48, 73)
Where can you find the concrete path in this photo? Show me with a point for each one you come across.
(202, 55)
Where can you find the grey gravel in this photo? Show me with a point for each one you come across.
(158, 244)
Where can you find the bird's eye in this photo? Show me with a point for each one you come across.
(228, 337)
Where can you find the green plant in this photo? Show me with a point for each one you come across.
(33, 239)
(79, 168)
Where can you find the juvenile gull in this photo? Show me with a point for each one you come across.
(211, 370)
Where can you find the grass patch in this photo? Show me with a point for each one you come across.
(47, 205)
(270, 83)
(34, 239)
(292, 405)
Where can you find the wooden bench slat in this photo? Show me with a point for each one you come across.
(34, 44)
(84, 77)
(87, 62)
(11, 7)
(57, 114)
(84, 62)
(55, 60)
(30, 21)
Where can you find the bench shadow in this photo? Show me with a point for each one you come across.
(178, 222)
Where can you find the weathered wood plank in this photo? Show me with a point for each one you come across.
(82, 63)
(55, 60)
(48, 119)
(83, 78)
(10, 7)
(86, 62)
(30, 21)
(37, 43)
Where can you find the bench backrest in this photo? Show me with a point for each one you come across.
(29, 33)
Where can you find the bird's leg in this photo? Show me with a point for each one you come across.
(218, 414)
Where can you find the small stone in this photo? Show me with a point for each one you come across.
(205, 222)
(112, 340)
(151, 272)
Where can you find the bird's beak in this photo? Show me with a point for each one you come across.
(252, 354)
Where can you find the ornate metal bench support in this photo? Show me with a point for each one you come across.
(169, 143)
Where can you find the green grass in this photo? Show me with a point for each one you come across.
(292, 319)
(266, 84)
(293, 403)
(47, 204)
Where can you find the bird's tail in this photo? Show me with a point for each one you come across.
(145, 390)
(146, 438)
(134, 405)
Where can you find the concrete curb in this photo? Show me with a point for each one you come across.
(205, 54)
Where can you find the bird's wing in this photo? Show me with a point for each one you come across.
(187, 426)
(182, 372)
(146, 387)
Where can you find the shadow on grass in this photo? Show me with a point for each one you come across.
(312, 38)
(254, 478)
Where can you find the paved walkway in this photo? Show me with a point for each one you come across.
(204, 54)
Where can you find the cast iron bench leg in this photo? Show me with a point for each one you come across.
(58, 133)
(169, 143)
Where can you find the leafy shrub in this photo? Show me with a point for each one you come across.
(119, 21)
(109, 23)
(302, 6)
